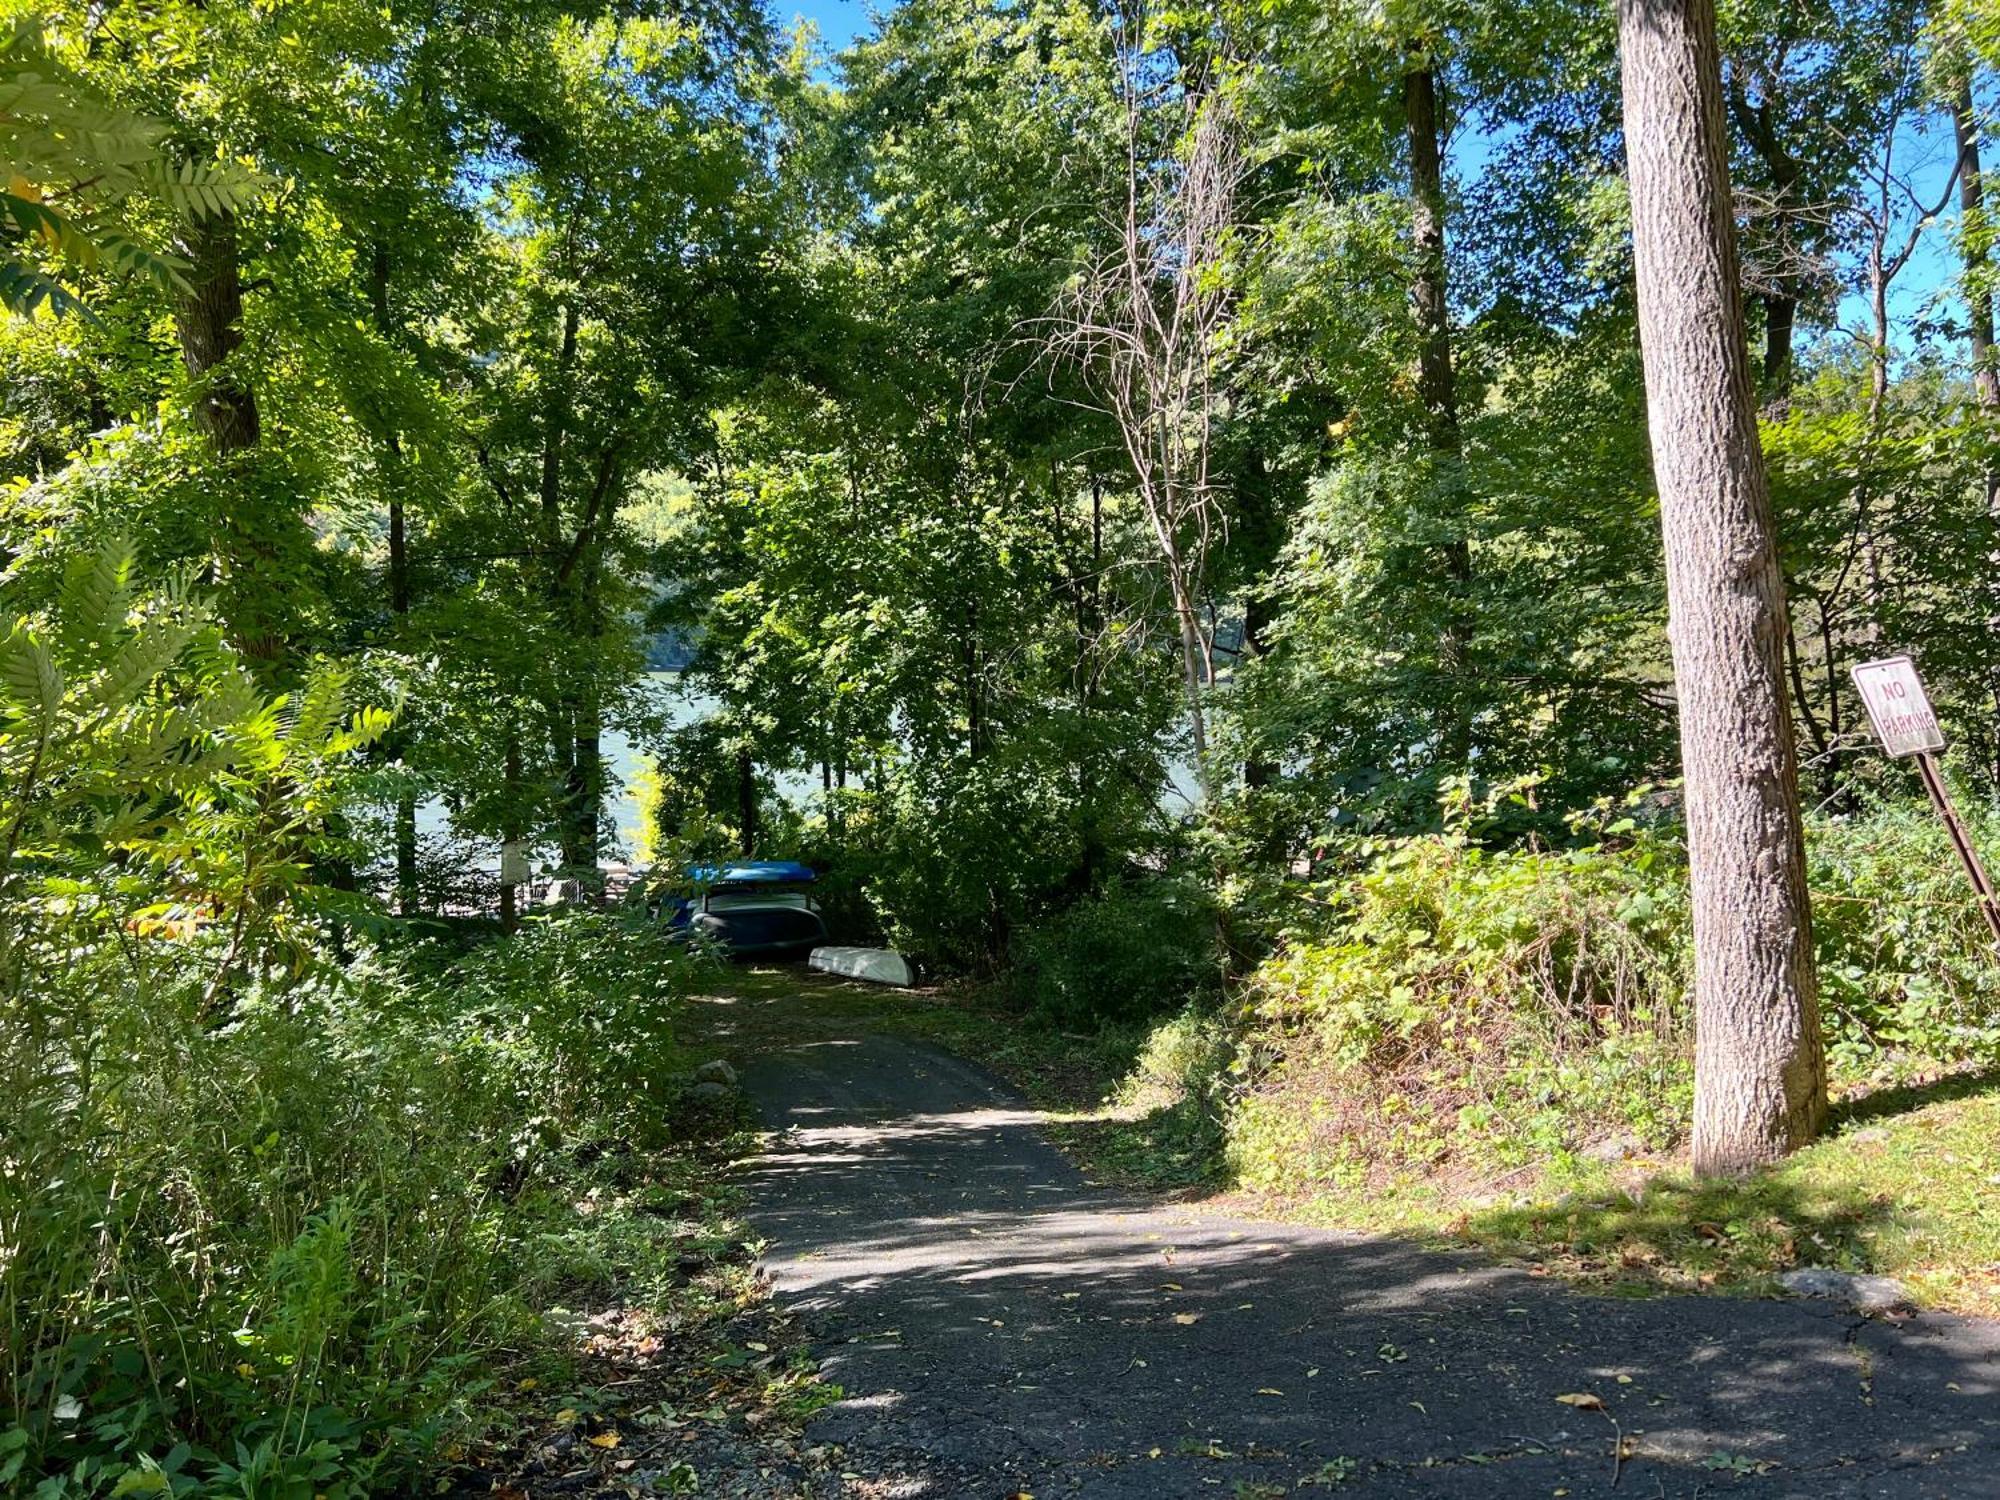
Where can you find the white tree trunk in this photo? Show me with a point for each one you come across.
(1760, 1082)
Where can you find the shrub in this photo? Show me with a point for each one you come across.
(1454, 1009)
(1120, 956)
(1906, 964)
(266, 1205)
(285, 1244)
(1472, 1004)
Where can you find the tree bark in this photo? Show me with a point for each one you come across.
(555, 432)
(586, 791)
(1437, 388)
(1261, 529)
(1781, 316)
(1977, 233)
(399, 589)
(1760, 1081)
(510, 821)
(746, 802)
(209, 319)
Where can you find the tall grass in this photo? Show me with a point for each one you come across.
(272, 1249)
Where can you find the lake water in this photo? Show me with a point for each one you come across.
(623, 760)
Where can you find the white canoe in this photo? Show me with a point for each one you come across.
(876, 965)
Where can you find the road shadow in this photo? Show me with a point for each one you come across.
(998, 1323)
(1901, 1099)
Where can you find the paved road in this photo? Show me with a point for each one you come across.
(999, 1325)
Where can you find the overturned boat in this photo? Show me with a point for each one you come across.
(876, 965)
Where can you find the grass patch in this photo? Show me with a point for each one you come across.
(1906, 1185)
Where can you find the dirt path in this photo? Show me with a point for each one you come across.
(999, 1325)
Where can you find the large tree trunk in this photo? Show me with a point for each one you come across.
(1260, 531)
(555, 433)
(1437, 388)
(586, 790)
(399, 592)
(208, 315)
(1760, 1080)
(1976, 233)
(571, 596)
(512, 831)
(1781, 316)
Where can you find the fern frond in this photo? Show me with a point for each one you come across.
(26, 291)
(154, 647)
(314, 715)
(29, 674)
(198, 190)
(95, 598)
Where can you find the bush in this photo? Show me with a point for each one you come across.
(267, 1206)
(287, 1244)
(1451, 1009)
(1906, 964)
(1493, 1008)
(1121, 956)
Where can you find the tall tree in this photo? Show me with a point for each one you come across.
(1760, 1076)
(1437, 380)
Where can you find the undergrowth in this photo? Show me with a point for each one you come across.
(1496, 1042)
(280, 1249)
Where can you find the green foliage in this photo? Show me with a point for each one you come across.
(254, 1212)
(289, 1245)
(1907, 964)
(1466, 1011)
(1122, 956)
(1473, 1009)
(69, 162)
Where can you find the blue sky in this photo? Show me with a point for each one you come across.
(839, 21)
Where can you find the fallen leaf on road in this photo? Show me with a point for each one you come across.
(1269, 1390)
(1186, 1318)
(1582, 1400)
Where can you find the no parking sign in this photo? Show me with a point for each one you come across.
(1905, 723)
(1898, 707)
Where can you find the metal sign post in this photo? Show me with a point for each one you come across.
(1901, 712)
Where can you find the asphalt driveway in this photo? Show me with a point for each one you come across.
(1000, 1326)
